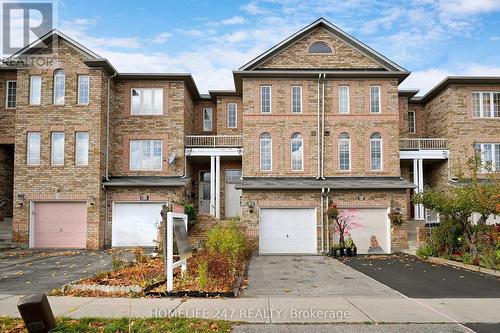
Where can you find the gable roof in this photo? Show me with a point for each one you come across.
(321, 22)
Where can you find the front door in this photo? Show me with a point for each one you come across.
(231, 194)
(204, 198)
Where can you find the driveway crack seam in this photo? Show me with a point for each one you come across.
(359, 309)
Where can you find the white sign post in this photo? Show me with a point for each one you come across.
(170, 265)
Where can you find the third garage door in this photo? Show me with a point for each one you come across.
(287, 231)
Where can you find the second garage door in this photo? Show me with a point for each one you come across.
(287, 231)
(135, 224)
(369, 230)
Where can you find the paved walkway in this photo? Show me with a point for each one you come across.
(347, 309)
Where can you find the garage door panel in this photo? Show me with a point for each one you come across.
(135, 224)
(287, 231)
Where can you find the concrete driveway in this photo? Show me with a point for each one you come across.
(30, 271)
(315, 276)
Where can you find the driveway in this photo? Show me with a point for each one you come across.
(30, 271)
(315, 276)
(417, 278)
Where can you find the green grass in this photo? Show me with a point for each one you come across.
(102, 325)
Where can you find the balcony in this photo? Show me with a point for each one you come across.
(214, 141)
(423, 144)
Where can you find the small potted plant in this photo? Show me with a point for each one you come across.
(337, 250)
(350, 247)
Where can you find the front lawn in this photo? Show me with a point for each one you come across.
(101, 325)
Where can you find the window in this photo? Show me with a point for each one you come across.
(296, 99)
(266, 153)
(297, 152)
(344, 152)
(35, 90)
(83, 89)
(82, 148)
(343, 99)
(59, 87)
(490, 156)
(486, 104)
(320, 47)
(232, 117)
(265, 99)
(10, 96)
(376, 152)
(57, 148)
(146, 155)
(207, 119)
(375, 99)
(33, 149)
(411, 122)
(147, 101)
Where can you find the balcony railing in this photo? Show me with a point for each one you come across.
(214, 141)
(423, 144)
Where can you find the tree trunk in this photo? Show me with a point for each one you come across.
(471, 242)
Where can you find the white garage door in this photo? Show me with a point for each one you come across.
(370, 230)
(287, 231)
(135, 224)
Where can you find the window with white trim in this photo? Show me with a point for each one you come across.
(33, 148)
(232, 115)
(266, 152)
(376, 152)
(146, 155)
(375, 103)
(83, 89)
(343, 99)
(411, 122)
(57, 147)
(11, 93)
(81, 148)
(147, 101)
(35, 90)
(490, 156)
(297, 156)
(296, 99)
(486, 104)
(59, 87)
(265, 99)
(207, 119)
(344, 152)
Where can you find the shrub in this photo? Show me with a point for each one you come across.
(227, 241)
(191, 213)
(202, 274)
(425, 251)
(445, 239)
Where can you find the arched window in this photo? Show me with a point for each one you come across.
(266, 152)
(344, 152)
(376, 152)
(59, 87)
(320, 47)
(297, 146)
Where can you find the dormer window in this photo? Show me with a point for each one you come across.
(320, 47)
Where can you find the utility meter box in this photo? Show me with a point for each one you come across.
(36, 313)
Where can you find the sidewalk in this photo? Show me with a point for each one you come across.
(278, 310)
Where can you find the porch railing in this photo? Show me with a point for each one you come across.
(422, 144)
(214, 141)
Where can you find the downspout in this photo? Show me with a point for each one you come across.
(327, 221)
(318, 135)
(105, 213)
(322, 221)
(323, 128)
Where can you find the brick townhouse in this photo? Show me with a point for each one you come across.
(88, 155)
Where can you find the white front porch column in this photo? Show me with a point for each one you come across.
(217, 187)
(418, 179)
(421, 185)
(212, 185)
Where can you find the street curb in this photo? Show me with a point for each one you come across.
(474, 268)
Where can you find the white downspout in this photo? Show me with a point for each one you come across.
(323, 128)
(322, 221)
(327, 222)
(318, 135)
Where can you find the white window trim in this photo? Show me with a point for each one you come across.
(206, 129)
(349, 141)
(270, 99)
(291, 156)
(260, 155)
(28, 147)
(52, 148)
(7, 94)
(483, 162)
(381, 155)
(78, 88)
(31, 90)
(291, 98)
(54, 88)
(152, 147)
(235, 115)
(414, 121)
(379, 99)
(87, 152)
(131, 103)
(348, 99)
(481, 104)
